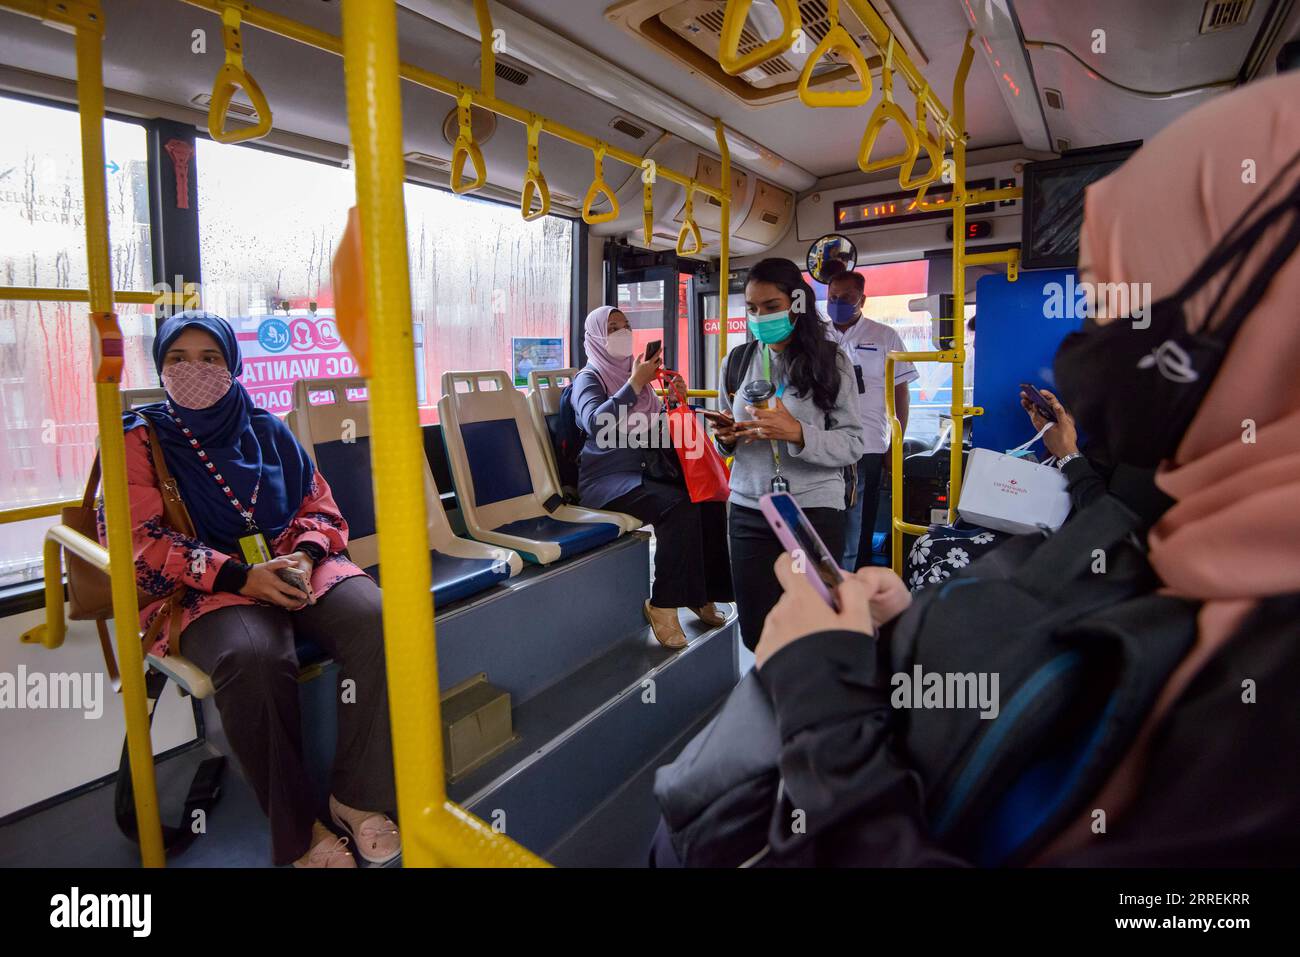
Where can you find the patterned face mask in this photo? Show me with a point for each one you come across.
(196, 385)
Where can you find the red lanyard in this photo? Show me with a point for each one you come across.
(212, 470)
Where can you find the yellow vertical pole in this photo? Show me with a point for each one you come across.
(724, 243)
(375, 118)
(487, 66)
(958, 275)
(108, 403)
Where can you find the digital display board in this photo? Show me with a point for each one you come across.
(902, 207)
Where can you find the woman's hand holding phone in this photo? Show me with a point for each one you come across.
(1062, 439)
(724, 427)
(801, 611)
(645, 370)
(867, 598)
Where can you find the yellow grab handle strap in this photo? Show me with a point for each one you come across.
(689, 228)
(885, 111)
(836, 38)
(733, 26)
(597, 189)
(534, 181)
(647, 208)
(465, 146)
(230, 78)
(927, 142)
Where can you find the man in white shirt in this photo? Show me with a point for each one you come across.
(867, 342)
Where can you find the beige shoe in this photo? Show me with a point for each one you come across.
(710, 615)
(329, 851)
(375, 834)
(667, 629)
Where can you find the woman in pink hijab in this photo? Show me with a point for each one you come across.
(627, 466)
(1201, 389)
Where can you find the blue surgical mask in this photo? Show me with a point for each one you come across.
(773, 328)
(842, 313)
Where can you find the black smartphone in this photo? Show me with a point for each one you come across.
(1037, 401)
(653, 348)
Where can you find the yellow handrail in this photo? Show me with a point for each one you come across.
(434, 830)
(465, 146)
(25, 513)
(53, 294)
(85, 20)
(885, 111)
(321, 40)
(724, 251)
(58, 538)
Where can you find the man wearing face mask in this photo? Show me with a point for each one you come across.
(266, 563)
(867, 343)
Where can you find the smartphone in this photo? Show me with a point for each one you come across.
(720, 418)
(798, 536)
(652, 349)
(1037, 401)
(296, 578)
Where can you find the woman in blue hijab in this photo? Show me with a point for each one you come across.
(266, 564)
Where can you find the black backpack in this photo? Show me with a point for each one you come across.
(1080, 654)
(567, 439)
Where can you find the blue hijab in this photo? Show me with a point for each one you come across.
(240, 440)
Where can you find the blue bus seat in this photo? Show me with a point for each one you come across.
(335, 430)
(544, 389)
(506, 491)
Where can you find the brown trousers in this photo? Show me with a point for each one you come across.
(248, 650)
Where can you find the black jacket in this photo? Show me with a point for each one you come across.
(1221, 788)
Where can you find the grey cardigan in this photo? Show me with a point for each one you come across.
(815, 470)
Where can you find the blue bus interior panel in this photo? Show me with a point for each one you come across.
(1020, 326)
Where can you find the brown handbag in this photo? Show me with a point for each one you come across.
(90, 595)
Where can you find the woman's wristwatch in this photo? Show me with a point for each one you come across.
(1065, 460)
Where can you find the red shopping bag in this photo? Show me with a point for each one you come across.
(706, 475)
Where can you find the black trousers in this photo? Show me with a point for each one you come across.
(248, 650)
(870, 468)
(692, 567)
(755, 549)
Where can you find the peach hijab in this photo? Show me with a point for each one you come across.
(1232, 536)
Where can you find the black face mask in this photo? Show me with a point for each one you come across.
(1138, 389)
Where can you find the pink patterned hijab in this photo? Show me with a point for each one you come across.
(1233, 535)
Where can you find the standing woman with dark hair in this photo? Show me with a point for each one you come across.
(793, 425)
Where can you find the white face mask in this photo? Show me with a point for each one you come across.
(619, 344)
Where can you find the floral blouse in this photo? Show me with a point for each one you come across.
(166, 559)
(943, 550)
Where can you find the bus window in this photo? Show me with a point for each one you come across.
(47, 401)
(487, 290)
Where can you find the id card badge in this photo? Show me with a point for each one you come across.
(779, 484)
(254, 547)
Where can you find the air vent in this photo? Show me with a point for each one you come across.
(511, 74)
(1062, 145)
(711, 20)
(770, 218)
(1225, 14)
(204, 101)
(427, 159)
(1053, 98)
(627, 127)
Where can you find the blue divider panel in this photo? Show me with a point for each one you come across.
(1019, 329)
(496, 460)
(346, 466)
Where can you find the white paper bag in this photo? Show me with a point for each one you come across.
(1010, 494)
